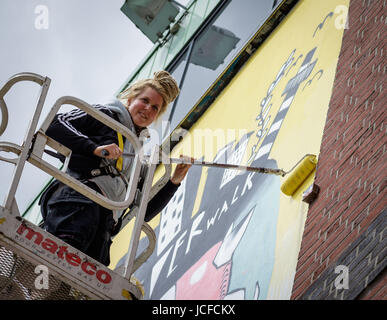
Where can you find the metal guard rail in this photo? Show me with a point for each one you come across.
(32, 151)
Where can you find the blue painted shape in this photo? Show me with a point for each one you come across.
(253, 259)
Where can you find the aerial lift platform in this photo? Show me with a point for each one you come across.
(28, 252)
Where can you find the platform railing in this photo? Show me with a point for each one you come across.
(32, 151)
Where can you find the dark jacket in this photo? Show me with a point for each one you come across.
(82, 134)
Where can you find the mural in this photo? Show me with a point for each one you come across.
(228, 234)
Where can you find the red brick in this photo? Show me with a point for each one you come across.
(377, 290)
(350, 171)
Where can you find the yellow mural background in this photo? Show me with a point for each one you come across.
(237, 107)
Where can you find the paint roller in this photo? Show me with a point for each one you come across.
(298, 174)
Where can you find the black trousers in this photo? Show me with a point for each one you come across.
(78, 221)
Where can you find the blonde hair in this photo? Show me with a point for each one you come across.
(162, 82)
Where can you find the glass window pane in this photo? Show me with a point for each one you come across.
(217, 45)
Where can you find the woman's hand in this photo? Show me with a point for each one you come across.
(114, 151)
(181, 170)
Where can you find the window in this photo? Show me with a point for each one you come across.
(213, 49)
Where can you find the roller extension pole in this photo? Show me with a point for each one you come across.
(278, 172)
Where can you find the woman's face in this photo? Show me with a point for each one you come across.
(145, 107)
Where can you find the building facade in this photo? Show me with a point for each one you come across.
(342, 254)
(267, 94)
(271, 84)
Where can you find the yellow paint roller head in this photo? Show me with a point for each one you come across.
(299, 174)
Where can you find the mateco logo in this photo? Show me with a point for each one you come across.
(72, 259)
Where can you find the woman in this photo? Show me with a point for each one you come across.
(73, 217)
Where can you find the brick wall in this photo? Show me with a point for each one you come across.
(351, 168)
